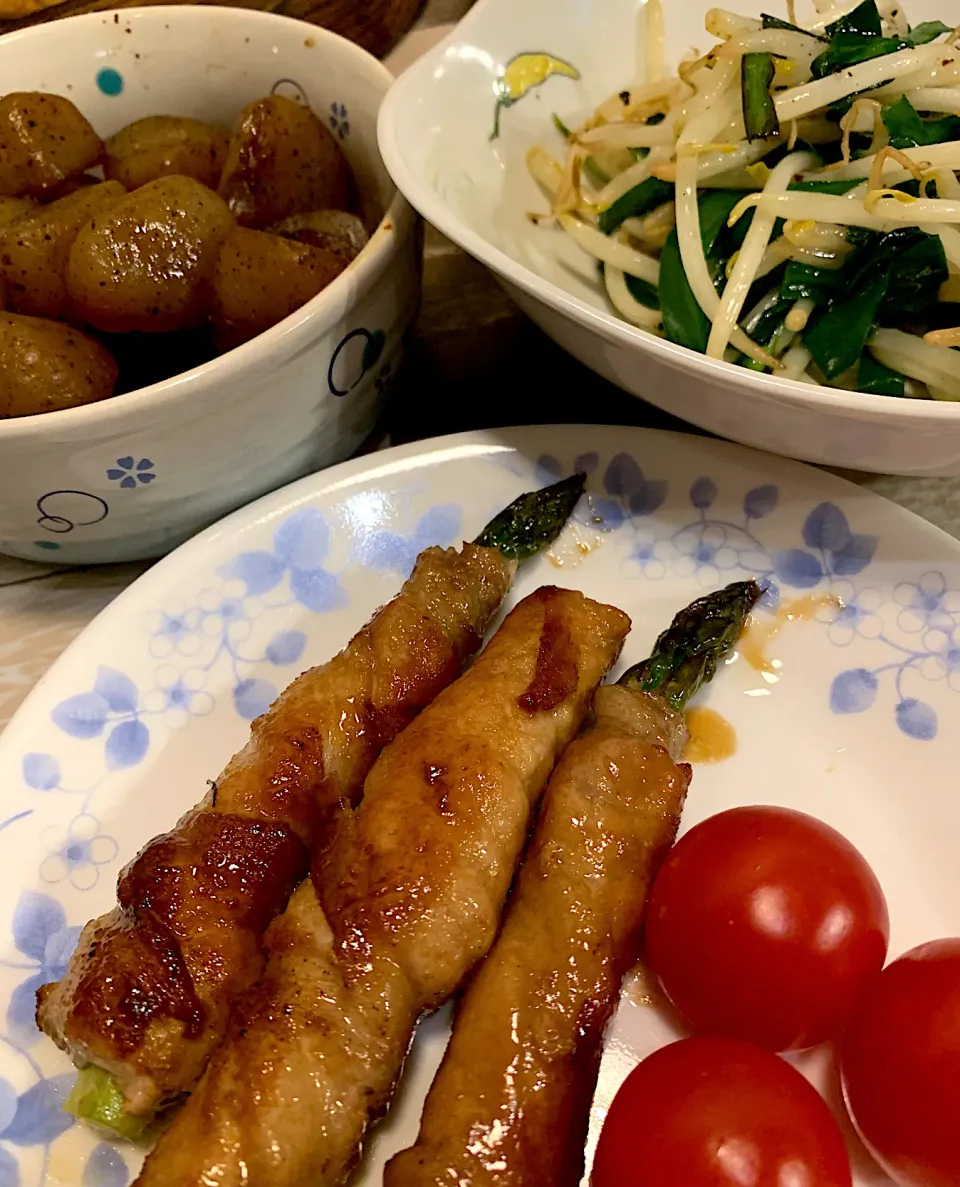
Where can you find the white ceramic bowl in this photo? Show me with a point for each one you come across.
(136, 475)
(434, 131)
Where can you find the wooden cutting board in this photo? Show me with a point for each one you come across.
(377, 25)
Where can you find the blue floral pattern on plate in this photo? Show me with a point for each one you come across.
(77, 852)
(31, 1116)
(394, 552)
(196, 639)
(300, 546)
(42, 937)
(714, 548)
(628, 492)
(208, 646)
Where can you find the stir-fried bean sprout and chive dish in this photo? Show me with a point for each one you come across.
(788, 202)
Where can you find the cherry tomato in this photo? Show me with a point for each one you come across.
(767, 925)
(900, 1063)
(710, 1111)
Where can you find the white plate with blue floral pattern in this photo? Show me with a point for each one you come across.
(849, 715)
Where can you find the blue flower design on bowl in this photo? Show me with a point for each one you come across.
(130, 473)
(77, 852)
(41, 935)
(339, 120)
(384, 379)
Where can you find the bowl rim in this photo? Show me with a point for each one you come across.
(417, 79)
(289, 336)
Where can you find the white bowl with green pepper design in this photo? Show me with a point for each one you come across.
(764, 241)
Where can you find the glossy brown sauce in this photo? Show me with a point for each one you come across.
(288, 795)
(433, 772)
(711, 738)
(218, 864)
(556, 673)
(762, 631)
(435, 775)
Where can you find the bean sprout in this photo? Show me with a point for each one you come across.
(654, 183)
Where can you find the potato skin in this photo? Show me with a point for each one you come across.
(44, 140)
(79, 181)
(282, 161)
(11, 208)
(164, 146)
(34, 249)
(335, 231)
(147, 265)
(260, 279)
(46, 366)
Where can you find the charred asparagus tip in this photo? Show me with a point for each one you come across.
(686, 655)
(534, 520)
(97, 1099)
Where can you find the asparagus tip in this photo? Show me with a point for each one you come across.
(534, 520)
(685, 656)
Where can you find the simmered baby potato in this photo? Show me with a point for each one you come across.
(46, 366)
(11, 208)
(166, 145)
(148, 263)
(281, 161)
(34, 249)
(261, 279)
(335, 231)
(44, 140)
(79, 181)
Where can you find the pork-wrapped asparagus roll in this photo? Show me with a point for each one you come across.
(148, 992)
(510, 1104)
(400, 908)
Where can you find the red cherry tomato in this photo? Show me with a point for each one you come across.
(767, 925)
(900, 1062)
(708, 1112)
